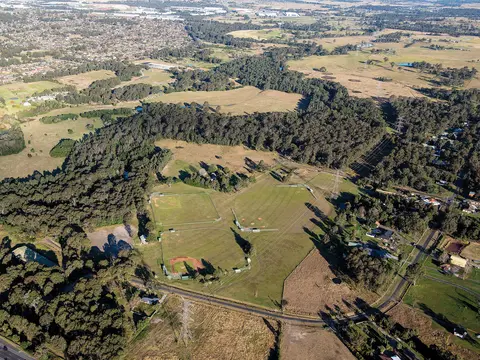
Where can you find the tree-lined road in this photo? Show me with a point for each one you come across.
(12, 353)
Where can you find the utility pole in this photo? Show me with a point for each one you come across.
(335, 194)
(400, 124)
(185, 333)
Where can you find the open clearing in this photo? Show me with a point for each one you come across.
(311, 288)
(304, 343)
(264, 34)
(217, 246)
(82, 81)
(359, 78)
(430, 332)
(180, 209)
(240, 101)
(326, 182)
(270, 207)
(455, 304)
(151, 77)
(108, 237)
(472, 251)
(41, 138)
(16, 94)
(275, 253)
(232, 157)
(216, 334)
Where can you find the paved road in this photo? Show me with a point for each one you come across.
(397, 293)
(298, 319)
(12, 353)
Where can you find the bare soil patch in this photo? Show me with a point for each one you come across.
(232, 157)
(181, 259)
(117, 236)
(303, 343)
(311, 288)
(428, 334)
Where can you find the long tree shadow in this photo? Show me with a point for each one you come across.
(274, 353)
(207, 269)
(244, 244)
(113, 246)
(439, 318)
(448, 325)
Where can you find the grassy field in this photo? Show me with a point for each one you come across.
(15, 94)
(41, 138)
(263, 34)
(470, 282)
(326, 182)
(82, 81)
(239, 101)
(455, 304)
(180, 209)
(188, 155)
(359, 78)
(275, 253)
(151, 77)
(217, 246)
(352, 71)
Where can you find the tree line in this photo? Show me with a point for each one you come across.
(123, 70)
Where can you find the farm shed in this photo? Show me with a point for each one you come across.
(458, 261)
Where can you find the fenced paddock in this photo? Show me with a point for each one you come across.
(183, 209)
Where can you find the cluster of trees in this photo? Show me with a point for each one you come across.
(459, 225)
(420, 162)
(198, 80)
(412, 164)
(108, 115)
(344, 49)
(106, 92)
(447, 76)
(216, 32)
(40, 108)
(195, 51)
(367, 341)
(394, 37)
(12, 141)
(365, 270)
(63, 148)
(58, 118)
(111, 112)
(405, 215)
(79, 310)
(357, 266)
(319, 138)
(218, 178)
